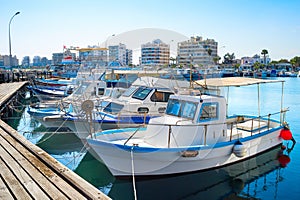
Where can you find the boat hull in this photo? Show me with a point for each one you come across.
(165, 161)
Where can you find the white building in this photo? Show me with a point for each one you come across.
(128, 56)
(256, 58)
(117, 53)
(155, 53)
(5, 61)
(197, 51)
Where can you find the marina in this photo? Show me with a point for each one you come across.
(70, 151)
(202, 102)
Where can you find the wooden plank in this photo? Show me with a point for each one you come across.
(4, 192)
(21, 175)
(69, 175)
(7, 90)
(54, 185)
(18, 191)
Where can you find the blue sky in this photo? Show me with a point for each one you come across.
(242, 27)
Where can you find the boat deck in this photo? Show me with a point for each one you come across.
(245, 129)
(28, 172)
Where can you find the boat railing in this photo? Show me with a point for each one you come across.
(233, 123)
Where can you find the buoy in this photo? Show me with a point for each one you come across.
(284, 160)
(239, 149)
(286, 134)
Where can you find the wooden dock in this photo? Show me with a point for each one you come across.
(28, 172)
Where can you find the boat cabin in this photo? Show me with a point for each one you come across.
(141, 100)
(147, 95)
(203, 118)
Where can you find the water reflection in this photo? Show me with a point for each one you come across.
(64, 147)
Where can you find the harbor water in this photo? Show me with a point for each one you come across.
(270, 175)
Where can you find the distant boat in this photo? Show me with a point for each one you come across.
(194, 134)
(48, 93)
(54, 82)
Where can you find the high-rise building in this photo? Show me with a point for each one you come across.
(155, 53)
(57, 58)
(26, 61)
(128, 56)
(36, 61)
(5, 61)
(197, 51)
(44, 61)
(117, 53)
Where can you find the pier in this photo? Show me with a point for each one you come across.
(28, 172)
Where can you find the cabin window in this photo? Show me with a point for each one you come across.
(160, 96)
(113, 108)
(141, 93)
(100, 91)
(129, 91)
(188, 110)
(208, 111)
(173, 107)
(182, 109)
(143, 110)
(107, 92)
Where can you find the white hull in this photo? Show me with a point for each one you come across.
(165, 161)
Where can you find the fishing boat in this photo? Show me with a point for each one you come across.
(44, 93)
(54, 82)
(145, 99)
(50, 114)
(194, 134)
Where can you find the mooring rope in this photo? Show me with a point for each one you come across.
(39, 142)
(133, 178)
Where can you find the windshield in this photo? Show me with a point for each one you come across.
(181, 108)
(141, 93)
(107, 92)
(129, 91)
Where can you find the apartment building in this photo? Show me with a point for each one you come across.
(197, 51)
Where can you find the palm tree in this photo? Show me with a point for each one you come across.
(264, 52)
(229, 58)
(216, 59)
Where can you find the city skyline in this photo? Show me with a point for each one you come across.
(240, 27)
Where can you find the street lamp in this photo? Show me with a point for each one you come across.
(10, 58)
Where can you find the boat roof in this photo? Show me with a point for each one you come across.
(150, 81)
(195, 99)
(233, 81)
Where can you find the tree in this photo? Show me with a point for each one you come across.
(216, 59)
(283, 60)
(228, 58)
(295, 61)
(256, 65)
(264, 52)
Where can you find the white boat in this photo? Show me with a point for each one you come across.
(146, 98)
(51, 114)
(194, 134)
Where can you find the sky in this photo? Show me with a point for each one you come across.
(242, 27)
